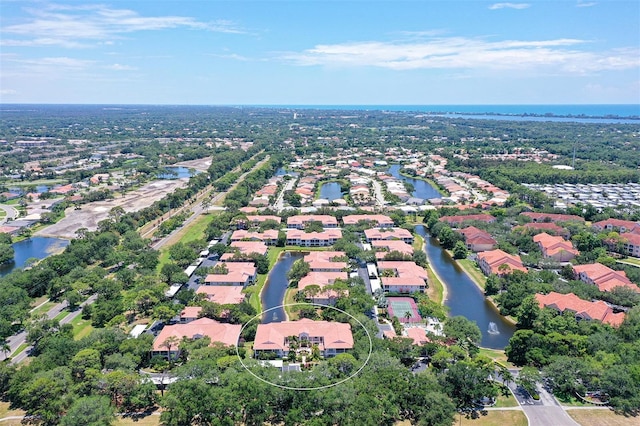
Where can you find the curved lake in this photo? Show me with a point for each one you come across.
(465, 298)
(274, 289)
(422, 189)
(330, 191)
(34, 247)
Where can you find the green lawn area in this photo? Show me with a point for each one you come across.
(292, 311)
(506, 401)
(61, 315)
(43, 309)
(152, 420)
(473, 271)
(195, 231)
(496, 355)
(598, 417)
(2, 213)
(418, 241)
(436, 288)
(496, 418)
(630, 261)
(81, 327)
(49, 182)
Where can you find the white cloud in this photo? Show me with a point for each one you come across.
(496, 6)
(559, 55)
(8, 92)
(120, 67)
(582, 3)
(75, 26)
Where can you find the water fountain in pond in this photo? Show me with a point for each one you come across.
(493, 328)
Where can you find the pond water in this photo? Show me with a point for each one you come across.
(34, 247)
(178, 173)
(422, 189)
(330, 191)
(274, 289)
(465, 298)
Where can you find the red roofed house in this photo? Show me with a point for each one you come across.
(555, 248)
(331, 337)
(615, 225)
(549, 228)
(409, 277)
(584, 309)
(65, 189)
(381, 234)
(631, 244)
(296, 237)
(324, 261)
(299, 221)
(605, 278)
(552, 217)
(239, 273)
(478, 240)
(382, 221)
(167, 344)
(255, 220)
(384, 247)
(499, 262)
(245, 248)
(269, 236)
(191, 313)
(418, 334)
(457, 220)
(222, 294)
(322, 279)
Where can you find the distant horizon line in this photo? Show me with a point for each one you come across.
(293, 104)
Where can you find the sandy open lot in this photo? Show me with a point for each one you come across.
(201, 164)
(92, 213)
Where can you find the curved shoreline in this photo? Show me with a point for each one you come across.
(445, 292)
(431, 182)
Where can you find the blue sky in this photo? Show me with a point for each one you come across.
(320, 52)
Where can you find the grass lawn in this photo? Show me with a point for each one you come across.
(61, 315)
(506, 401)
(436, 289)
(496, 418)
(49, 182)
(2, 214)
(418, 242)
(195, 231)
(293, 312)
(5, 411)
(81, 327)
(497, 356)
(601, 418)
(473, 271)
(152, 420)
(630, 261)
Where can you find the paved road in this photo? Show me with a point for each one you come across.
(11, 211)
(279, 203)
(544, 412)
(16, 340)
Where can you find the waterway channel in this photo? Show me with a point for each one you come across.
(422, 188)
(331, 191)
(34, 247)
(276, 286)
(465, 298)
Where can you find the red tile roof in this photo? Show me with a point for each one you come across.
(336, 335)
(584, 309)
(605, 278)
(227, 334)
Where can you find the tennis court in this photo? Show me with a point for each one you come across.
(400, 306)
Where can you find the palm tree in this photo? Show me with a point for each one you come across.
(169, 343)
